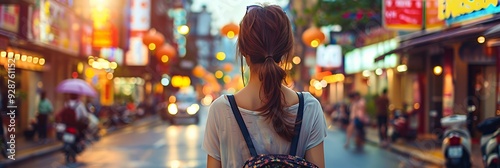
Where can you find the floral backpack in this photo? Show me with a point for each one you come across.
(272, 160)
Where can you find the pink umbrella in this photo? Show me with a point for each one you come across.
(76, 86)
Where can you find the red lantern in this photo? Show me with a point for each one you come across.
(165, 52)
(153, 39)
(230, 30)
(313, 37)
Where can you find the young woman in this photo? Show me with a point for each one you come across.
(268, 107)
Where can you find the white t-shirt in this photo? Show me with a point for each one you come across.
(224, 140)
(80, 109)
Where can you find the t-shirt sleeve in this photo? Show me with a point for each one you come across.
(211, 142)
(318, 130)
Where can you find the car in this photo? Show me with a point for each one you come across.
(184, 106)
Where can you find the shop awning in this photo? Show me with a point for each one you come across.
(437, 37)
(493, 32)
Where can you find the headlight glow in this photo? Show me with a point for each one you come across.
(172, 109)
(193, 109)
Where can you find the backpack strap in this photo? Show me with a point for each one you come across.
(298, 124)
(242, 125)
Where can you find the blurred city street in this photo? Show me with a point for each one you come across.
(161, 145)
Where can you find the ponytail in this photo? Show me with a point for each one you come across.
(272, 75)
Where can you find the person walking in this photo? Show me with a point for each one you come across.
(358, 120)
(267, 106)
(382, 104)
(44, 110)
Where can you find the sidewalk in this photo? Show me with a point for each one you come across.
(426, 148)
(30, 149)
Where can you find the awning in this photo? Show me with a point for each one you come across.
(493, 32)
(438, 37)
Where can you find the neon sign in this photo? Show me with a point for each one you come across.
(454, 11)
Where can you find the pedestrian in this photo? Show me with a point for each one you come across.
(45, 109)
(267, 106)
(358, 120)
(74, 114)
(382, 104)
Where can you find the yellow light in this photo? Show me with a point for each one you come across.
(164, 58)
(41, 61)
(230, 34)
(186, 81)
(227, 79)
(219, 74)
(23, 57)
(314, 43)
(3, 54)
(402, 68)
(35, 60)
(89, 73)
(109, 76)
(17, 56)
(220, 56)
(91, 61)
(296, 60)
(152, 46)
(11, 54)
(366, 73)
(29, 59)
(481, 39)
(79, 67)
(172, 109)
(172, 99)
(416, 106)
(379, 71)
(438, 70)
(113, 65)
(183, 29)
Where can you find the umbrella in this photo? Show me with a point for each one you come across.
(76, 86)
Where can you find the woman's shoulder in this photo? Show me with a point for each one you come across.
(221, 101)
(309, 99)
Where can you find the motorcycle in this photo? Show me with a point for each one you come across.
(457, 142)
(72, 144)
(404, 125)
(490, 141)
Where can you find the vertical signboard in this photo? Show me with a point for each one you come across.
(140, 22)
(9, 17)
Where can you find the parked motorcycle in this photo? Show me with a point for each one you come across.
(72, 144)
(404, 126)
(490, 141)
(457, 142)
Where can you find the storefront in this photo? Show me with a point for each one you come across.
(369, 77)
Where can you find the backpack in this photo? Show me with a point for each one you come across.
(67, 116)
(272, 160)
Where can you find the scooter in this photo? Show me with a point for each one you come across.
(490, 141)
(72, 144)
(403, 126)
(457, 142)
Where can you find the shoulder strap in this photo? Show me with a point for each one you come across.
(298, 124)
(242, 125)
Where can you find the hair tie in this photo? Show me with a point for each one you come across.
(271, 57)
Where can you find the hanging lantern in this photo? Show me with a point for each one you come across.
(165, 52)
(230, 30)
(313, 37)
(153, 39)
(199, 71)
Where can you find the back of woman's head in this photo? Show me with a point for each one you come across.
(266, 40)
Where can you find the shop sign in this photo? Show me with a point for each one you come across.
(342, 38)
(86, 40)
(377, 35)
(112, 54)
(55, 25)
(137, 55)
(455, 11)
(9, 17)
(408, 14)
(140, 22)
(361, 59)
(105, 33)
(329, 56)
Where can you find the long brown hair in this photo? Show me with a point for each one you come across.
(266, 39)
